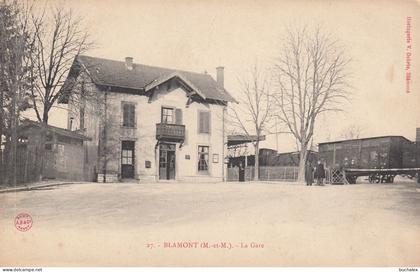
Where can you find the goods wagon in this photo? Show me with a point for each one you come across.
(380, 158)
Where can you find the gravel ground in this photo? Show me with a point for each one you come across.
(208, 224)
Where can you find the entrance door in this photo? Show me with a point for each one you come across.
(127, 159)
(167, 161)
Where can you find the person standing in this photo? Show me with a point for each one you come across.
(309, 173)
(319, 173)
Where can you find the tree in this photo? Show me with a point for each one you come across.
(58, 39)
(253, 114)
(351, 132)
(15, 80)
(311, 79)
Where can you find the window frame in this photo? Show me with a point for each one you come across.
(126, 155)
(199, 153)
(162, 110)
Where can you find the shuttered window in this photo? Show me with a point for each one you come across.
(129, 115)
(203, 122)
(171, 116)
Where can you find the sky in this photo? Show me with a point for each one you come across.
(201, 35)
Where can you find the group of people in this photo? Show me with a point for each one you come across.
(316, 173)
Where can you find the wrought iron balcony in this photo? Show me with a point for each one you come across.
(170, 132)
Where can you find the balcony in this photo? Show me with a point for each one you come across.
(170, 132)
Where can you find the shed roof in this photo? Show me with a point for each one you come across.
(60, 131)
(368, 138)
(242, 139)
(114, 73)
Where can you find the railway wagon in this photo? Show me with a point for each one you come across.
(385, 152)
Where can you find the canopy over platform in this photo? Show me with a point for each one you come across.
(242, 139)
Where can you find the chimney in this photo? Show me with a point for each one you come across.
(220, 78)
(129, 63)
(418, 135)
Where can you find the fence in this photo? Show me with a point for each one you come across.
(272, 173)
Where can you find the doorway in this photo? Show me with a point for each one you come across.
(167, 161)
(127, 159)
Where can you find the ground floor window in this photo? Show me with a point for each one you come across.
(127, 159)
(203, 158)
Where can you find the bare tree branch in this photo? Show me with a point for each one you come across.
(58, 39)
(254, 112)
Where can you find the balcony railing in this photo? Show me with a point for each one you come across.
(170, 132)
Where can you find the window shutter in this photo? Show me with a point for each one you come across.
(125, 115)
(204, 122)
(178, 116)
(129, 115)
(200, 122)
(132, 115)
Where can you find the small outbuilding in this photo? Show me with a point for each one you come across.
(64, 153)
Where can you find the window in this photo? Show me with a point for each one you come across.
(129, 112)
(127, 156)
(203, 158)
(203, 122)
(127, 152)
(167, 115)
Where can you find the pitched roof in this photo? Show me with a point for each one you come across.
(114, 73)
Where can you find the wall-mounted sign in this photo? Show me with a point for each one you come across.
(147, 164)
(215, 158)
(187, 157)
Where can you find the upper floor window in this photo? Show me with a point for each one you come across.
(203, 122)
(168, 115)
(171, 116)
(129, 115)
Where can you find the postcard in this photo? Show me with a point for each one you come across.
(210, 133)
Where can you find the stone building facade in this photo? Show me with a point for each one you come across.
(147, 123)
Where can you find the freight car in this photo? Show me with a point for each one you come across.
(379, 158)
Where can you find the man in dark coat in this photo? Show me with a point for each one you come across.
(319, 173)
(309, 173)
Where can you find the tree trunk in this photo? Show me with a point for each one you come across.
(302, 163)
(13, 138)
(41, 153)
(257, 160)
(45, 116)
(105, 149)
(2, 176)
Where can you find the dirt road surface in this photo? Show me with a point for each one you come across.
(213, 224)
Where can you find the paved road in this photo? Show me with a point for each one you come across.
(281, 224)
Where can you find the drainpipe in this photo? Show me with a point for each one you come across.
(223, 147)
